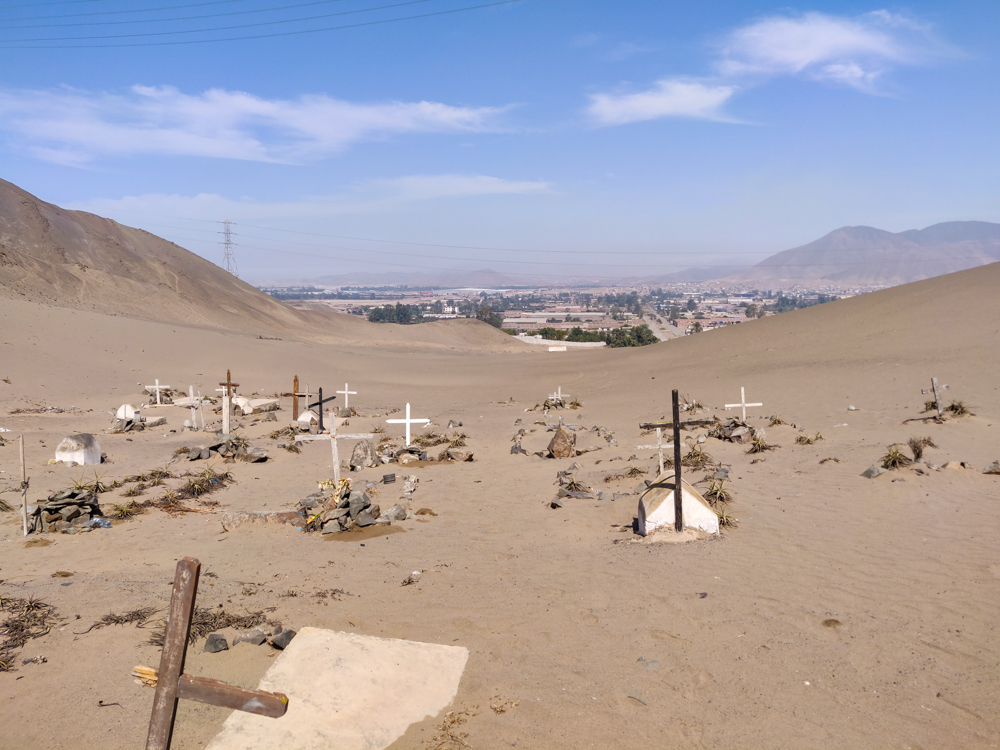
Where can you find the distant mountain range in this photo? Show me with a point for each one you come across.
(869, 256)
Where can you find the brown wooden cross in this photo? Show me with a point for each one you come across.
(676, 423)
(295, 395)
(172, 685)
(230, 385)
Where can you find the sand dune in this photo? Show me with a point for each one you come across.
(600, 641)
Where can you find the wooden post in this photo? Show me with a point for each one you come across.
(161, 722)
(295, 398)
(336, 451)
(937, 397)
(659, 446)
(678, 504)
(24, 491)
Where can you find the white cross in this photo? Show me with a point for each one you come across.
(157, 388)
(346, 393)
(194, 408)
(408, 422)
(658, 446)
(333, 437)
(227, 410)
(559, 394)
(743, 403)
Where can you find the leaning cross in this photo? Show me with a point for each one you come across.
(676, 423)
(172, 685)
(333, 437)
(227, 404)
(157, 388)
(347, 394)
(319, 405)
(743, 403)
(936, 389)
(408, 422)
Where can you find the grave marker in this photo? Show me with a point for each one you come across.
(935, 389)
(157, 388)
(347, 394)
(319, 405)
(295, 394)
(172, 685)
(658, 446)
(743, 403)
(24, 491)
(227, 402)
(333, 437)
(559, 395)
(408, 422)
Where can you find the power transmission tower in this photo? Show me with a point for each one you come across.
(228, 260)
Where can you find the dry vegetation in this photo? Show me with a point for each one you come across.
(205, 621)
(24, 619)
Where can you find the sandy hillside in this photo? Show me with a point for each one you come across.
(588, 637)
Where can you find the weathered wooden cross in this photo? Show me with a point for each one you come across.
(295, 394)
(228, 391)
(319, 407)
(157, 388)
(172, 685)
(347, 394)
(658, 446)
(408, 422)
(936, 389)
(743, 403)
(333, 437)
(676, 423)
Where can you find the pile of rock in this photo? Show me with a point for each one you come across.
(343, 508)
(273, 635)
(167, 395)
(570, 486)
(605, 433)
(229, 447)
(67, 512)
(736, 431)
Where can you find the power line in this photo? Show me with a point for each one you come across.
(113, 12)
(15, 44)
(217, 28)
(166, 20)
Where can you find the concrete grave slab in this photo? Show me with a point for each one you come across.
(348, 691)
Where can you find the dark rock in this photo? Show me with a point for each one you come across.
(63, 526)
(332, 527)
(282, 639)
(81, 520)
(458, 454)
(308, 503)
(556, 502)
(563, 444)
(215, 643)
(396, 513)
(364, 518)
(205, 453)
(374, 510)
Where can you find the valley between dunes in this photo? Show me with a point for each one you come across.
(563, 613)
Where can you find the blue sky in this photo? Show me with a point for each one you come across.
(539, 137)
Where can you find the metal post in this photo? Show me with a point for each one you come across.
(678, 505)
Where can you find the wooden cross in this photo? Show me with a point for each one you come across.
(559, 394)
(228, 391)
(295, 397)
(658, 446)
(408, 422)
(172, 685)
(676, 423)
(743, 403)
(347, 394)
(935, 389)
(333, 437)
(319, 405)
(157, 388)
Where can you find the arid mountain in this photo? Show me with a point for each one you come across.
(865, 255)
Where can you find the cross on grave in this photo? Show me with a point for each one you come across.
(295, 394)
(172, 685)
(658, 446)
(157, 388)
(319, 405)
(676, 423)
(228, 391)
(333, 437)
(347, 394)
(935, 389)
(408, 422)
(559, 394)
(743, 403)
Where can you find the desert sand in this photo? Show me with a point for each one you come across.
(583, 634)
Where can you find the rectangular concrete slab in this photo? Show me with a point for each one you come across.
(347, 691)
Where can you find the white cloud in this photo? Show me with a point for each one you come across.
(71, 126)
(365, 197)
(667, 98)
(853, 51)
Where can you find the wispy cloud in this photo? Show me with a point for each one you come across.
(667, 98)
(75, 127)
(853, 51)
(365, 197)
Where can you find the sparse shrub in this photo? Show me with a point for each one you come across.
(917, 445)
(128, 510)
(134, 491)
(292, 447)
(717, 494)
(930, 405)
(760, 445)
(895, 458)
(806, 440)
(776, 420)
(725, 519)
(696, 458)
(958, 409)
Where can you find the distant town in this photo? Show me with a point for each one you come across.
(586, 316)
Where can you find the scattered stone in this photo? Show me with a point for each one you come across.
(563, 444)
(993, 468)
(363, 456)
(282, 639)
(556, 502)
(456, 454)
(620, 495)
(873, 471)
(215, 643)
(253, 636)
(957, 465)
(396, 513)
(452, 424)
(426, 512)
(721, 474)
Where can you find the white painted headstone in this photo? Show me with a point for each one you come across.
(128, 412)
(82, 449)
